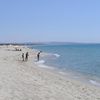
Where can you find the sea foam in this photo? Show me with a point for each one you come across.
(57, 55)
(41, 62)
(42, 65)
(94, 82)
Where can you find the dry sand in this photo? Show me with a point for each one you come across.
(26, 81)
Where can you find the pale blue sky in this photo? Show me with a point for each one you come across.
(49, 20)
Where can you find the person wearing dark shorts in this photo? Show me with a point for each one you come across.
(38, 56)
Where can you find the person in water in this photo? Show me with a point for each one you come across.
(38, 56)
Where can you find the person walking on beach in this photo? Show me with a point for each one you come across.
(23, 56)
(26, 58)
(38, 56)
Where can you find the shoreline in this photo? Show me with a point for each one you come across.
(86, 78)
(26, 80)
(95, 81)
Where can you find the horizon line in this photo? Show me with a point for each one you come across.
(61, 42)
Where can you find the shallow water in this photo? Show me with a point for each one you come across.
(83, 59)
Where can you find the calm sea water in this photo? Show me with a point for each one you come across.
(79, 58)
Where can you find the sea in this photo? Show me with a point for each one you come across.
(82, 60)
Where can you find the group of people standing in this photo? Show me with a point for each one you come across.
(25, 56)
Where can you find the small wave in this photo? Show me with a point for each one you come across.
(57, 55)
(76, 77)
(44, 66)
(62, 73)
(41, 62)
(94, 82)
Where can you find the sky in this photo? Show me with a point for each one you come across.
(50, 20)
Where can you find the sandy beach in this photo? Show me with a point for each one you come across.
(27, 81)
